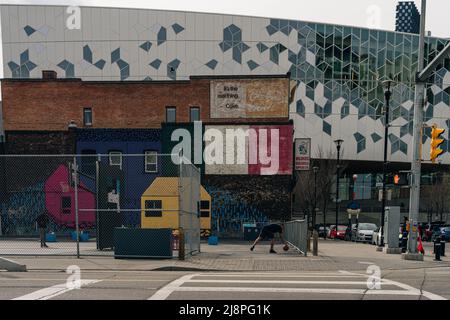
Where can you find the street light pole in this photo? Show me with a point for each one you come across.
(338, 147)
(387, 95)
(417, 144)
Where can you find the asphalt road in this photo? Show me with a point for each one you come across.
(430, 283)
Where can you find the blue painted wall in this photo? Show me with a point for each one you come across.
(127, 141)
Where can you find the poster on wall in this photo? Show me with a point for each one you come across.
(302, 154)
(250, 98)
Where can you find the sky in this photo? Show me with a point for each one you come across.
(377, 14)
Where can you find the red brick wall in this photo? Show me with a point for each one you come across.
(51, 105)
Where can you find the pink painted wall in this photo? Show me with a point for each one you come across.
(285, 149)
(56, 187)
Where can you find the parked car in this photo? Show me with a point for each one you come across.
(445, 232)
(431, 230)
(323, 231)
(436, 231)
(376, 238)
(340, 234)
(364, 232)
(330, 228)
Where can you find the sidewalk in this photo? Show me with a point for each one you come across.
(236, 256)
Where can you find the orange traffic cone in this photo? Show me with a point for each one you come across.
(420, 246)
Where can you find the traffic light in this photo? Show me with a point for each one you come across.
(436, 141)
(398, 179)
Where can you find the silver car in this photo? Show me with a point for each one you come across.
(363, 232)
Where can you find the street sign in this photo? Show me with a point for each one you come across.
(302, 154)
(379, 185)
(113, 198)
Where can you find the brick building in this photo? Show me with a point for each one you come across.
(71, 116)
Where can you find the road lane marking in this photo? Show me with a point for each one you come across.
(167, 290)
(365, 262)
(53, 291)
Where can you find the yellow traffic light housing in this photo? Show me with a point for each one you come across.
(436, 141)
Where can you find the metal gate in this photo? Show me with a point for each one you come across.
(189, 216)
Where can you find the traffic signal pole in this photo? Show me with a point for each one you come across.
(419, 102)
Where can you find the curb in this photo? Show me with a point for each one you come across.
(12, 266)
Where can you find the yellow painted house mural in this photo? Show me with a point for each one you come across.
(160, 206)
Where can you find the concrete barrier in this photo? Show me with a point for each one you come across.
(12, 266)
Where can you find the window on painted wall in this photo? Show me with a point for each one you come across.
(87, 116)
(66, 205)
(88, 162)
(151, 161)
(171, 114)
(194, 114)
(115, 158)
(204, 209)
(153, 208)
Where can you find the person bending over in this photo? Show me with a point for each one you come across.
(269, 233)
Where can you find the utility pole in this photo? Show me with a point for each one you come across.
(422, 75)
(387, 95)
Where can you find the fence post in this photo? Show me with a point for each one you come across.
(308, 242)
(181, 252)
(75, 179)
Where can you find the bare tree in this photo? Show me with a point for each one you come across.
(436, 196)
(305, 195)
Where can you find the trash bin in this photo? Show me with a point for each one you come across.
(50, 237)
(213, 240)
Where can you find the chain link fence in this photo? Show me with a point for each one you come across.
(76, 202)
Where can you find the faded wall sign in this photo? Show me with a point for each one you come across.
(250, 98)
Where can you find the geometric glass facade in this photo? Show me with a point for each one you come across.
(338, 69)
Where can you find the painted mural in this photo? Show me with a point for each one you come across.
(20, 208)
(248, 149)
(132, 143)
(60, 200)
(253, 199)
(261, 98)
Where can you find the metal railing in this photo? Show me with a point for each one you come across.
(296, 234)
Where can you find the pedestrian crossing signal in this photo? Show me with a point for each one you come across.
(436, 141)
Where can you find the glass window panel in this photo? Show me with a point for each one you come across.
(171, 114)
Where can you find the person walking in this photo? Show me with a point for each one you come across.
(269, 233)
(42, 222)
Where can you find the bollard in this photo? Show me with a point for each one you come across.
(437, 251)
(442, 247)
(315, 243)
(308, 244)
(181, 252)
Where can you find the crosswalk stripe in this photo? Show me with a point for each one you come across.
(284, 276)
(167, 290)
(53, 291)
(279, 281)
(182, 285)
(299, 290)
